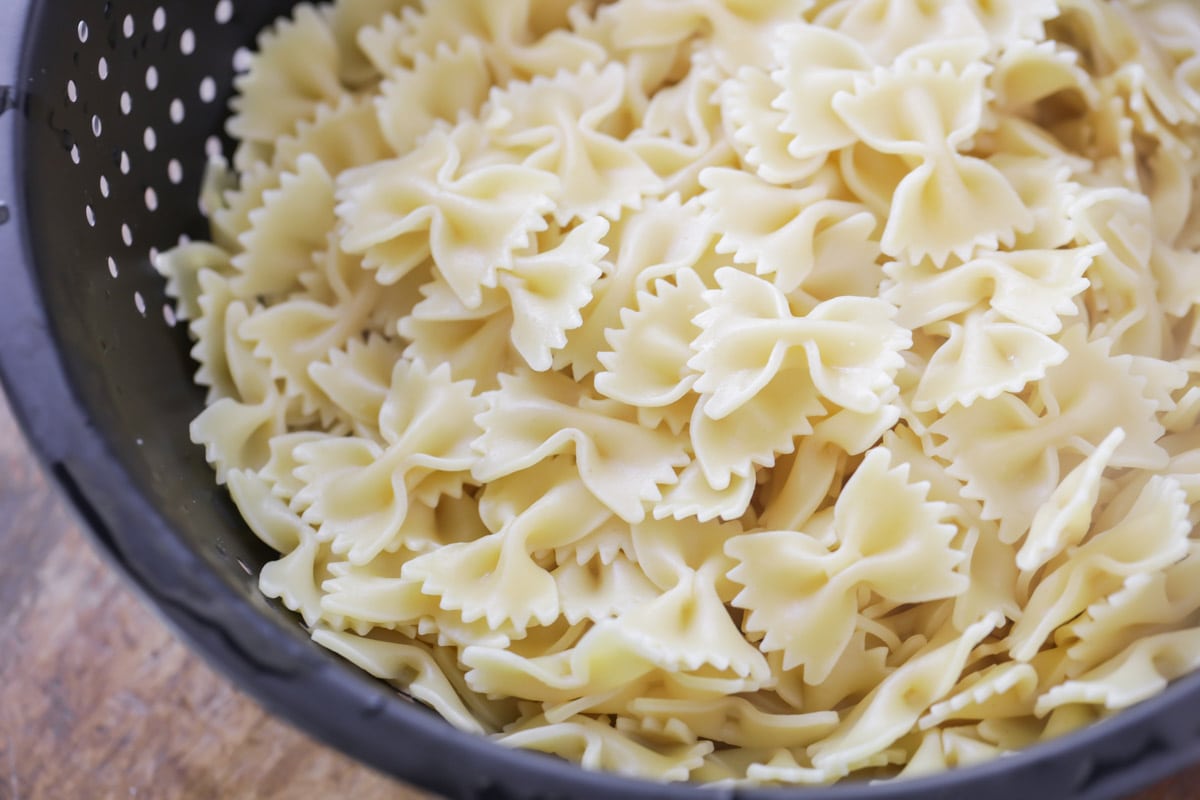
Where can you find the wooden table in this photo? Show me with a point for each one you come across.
(98, 700)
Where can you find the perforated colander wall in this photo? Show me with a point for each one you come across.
(125, 102)
(140, 111)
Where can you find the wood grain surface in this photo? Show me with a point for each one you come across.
(98, 700)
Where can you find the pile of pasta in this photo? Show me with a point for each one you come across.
(762, 391)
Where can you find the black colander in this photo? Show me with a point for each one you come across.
(107, 111)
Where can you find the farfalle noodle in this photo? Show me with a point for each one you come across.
(882, 551)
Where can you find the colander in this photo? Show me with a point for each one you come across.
(107, 112)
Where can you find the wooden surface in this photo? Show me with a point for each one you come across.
(97, 700)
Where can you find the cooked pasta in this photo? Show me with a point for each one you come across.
(736, 392)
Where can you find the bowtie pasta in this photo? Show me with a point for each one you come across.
(714, 390)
